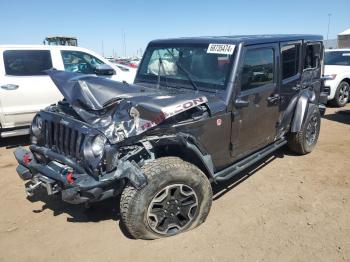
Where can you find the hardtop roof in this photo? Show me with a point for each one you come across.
(237, 39)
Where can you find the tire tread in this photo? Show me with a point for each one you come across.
(129, 196)
(296, 141)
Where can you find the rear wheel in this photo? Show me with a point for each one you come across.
(177, 198)
(341, 96)
(304, 141)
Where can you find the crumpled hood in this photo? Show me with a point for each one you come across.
(93, 92)
(118, 109)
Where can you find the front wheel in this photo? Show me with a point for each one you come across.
(304, 141)
(177, 198)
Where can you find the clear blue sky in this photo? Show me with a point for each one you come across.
(29, 21)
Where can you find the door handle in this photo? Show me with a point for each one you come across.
(9, 87)
(239, 103)
(274, 98)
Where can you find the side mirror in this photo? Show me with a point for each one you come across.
(104, 69)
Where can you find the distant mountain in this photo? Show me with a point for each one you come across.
(331, 43)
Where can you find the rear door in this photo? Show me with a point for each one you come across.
(24, 87)
(291, 72)
(256, 107)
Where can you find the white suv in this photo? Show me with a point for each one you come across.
(25, 88)
(337, 71)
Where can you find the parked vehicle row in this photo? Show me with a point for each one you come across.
(25, 88)
(133, 63)
(200, 111)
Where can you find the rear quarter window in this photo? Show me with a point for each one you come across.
(290, 60)
(27, 62)
(312, 56)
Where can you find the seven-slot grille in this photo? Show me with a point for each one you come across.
(63, 139)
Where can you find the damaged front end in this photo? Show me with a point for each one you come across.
(92, 143)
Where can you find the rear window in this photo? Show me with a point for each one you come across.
(290, 60)
(27, 62)
(337, 58)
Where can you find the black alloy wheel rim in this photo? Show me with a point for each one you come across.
(312, 130)
(172, 209)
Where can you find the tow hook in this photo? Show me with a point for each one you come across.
(27, 158)
(69, 173)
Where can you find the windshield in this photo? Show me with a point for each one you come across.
(337, 58)
(189, 66)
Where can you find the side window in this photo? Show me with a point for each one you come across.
(27, 62)
(79, 62)
(312, 56)
(290, 60)
(258, 68)
(337, 58)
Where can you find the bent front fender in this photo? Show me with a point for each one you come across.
(306, 98)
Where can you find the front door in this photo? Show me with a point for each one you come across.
(256, 105)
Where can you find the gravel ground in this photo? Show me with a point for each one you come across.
(287, 208)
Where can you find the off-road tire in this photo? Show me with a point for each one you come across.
(162, 173)
(297, 142)
(339, 100)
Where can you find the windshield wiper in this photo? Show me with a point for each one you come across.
(188, 74)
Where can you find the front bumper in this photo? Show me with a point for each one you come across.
(57, 174)
(331, 88)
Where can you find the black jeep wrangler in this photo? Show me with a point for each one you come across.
(200, 111)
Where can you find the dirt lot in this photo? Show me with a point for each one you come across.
(288, 208)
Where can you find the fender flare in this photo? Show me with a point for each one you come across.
(190, 147)
(189, 142)
(307, 99)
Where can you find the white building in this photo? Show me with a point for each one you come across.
(344, 39)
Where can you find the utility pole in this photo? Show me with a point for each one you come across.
(103, 50)
(124, 43)
(329, 22)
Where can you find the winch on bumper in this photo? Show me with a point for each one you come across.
(61, 174)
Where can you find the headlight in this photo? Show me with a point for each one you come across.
(97, 145)
(39, 122)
